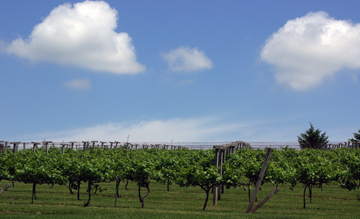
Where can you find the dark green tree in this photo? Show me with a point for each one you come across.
(356, 137)
(313, 139)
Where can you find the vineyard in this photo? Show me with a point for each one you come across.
(88, 170)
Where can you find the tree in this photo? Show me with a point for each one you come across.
(313, 139)
(356, 137)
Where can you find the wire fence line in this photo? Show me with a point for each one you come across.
(79, 145)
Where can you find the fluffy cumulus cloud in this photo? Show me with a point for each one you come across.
(185, 59)
(312, 48)
(79, 84)
(80, 35)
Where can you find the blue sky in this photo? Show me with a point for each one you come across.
(178, 70)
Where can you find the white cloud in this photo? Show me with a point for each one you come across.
(185, 59)
(151, 131)
(312, 48)
(205, 129)
(177, 129)
(79, 84)
(80, 35)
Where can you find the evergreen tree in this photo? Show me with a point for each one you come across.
(356, 137)
(313, 139)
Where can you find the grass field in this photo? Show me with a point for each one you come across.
(57, 202)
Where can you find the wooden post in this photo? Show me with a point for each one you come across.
(3, 144)
(116, 143)
(45, 143)
(35, 144)
(226, 152)
(258, 182)
(63, 147)
(265, 200)
(216, 163)
(4, 189)
(85, 143)
(72, 144)
(6, 146)
(15, 146)
(220, 162)
(102, 144)
(111, 144)
(24, 146)
(93, 144)
(1, 148)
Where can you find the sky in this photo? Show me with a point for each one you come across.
(198, 70)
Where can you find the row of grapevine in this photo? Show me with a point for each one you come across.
(311, 168)
(182, 167)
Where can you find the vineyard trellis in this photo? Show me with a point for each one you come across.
(82, 145)
(76, 145)
(234, 164)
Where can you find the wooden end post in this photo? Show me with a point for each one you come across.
(265, 200)
(258, 182)
(4, 189)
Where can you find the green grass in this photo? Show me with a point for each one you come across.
(57, 202)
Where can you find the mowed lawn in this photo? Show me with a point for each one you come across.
(57, 202)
